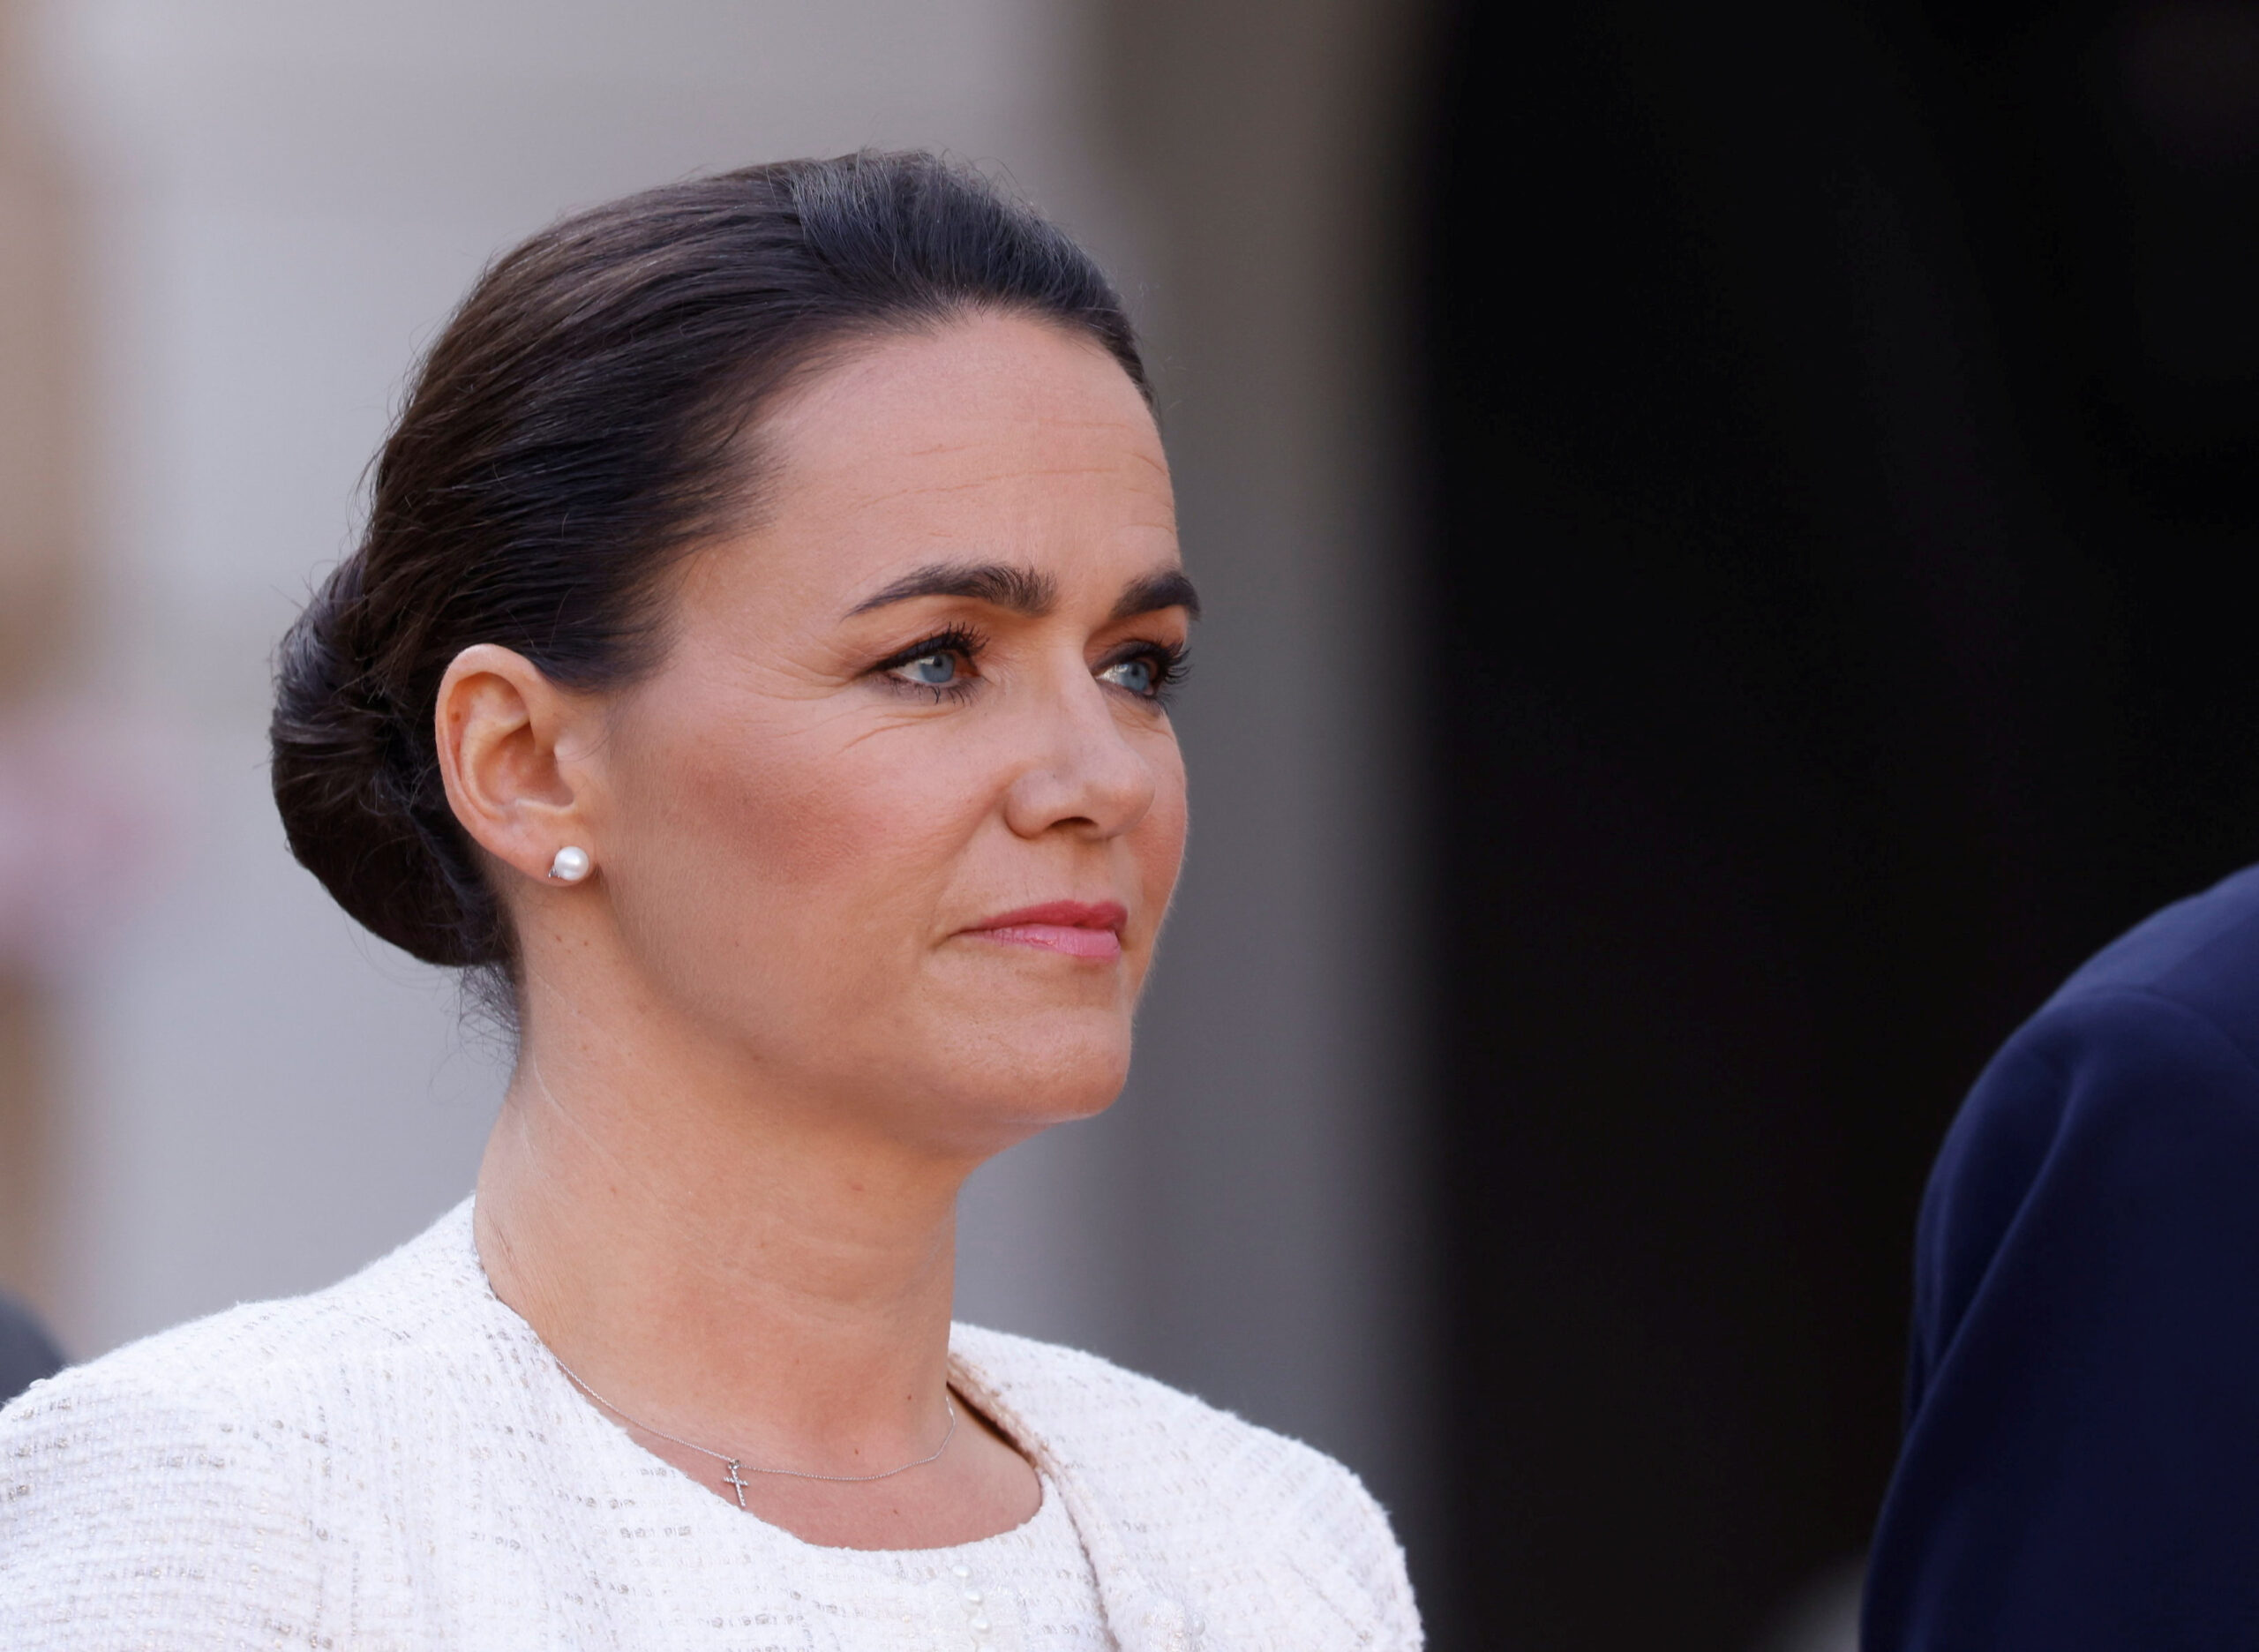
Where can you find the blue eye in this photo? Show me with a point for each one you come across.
(937, 670)
(942, 664)
(1136, 674)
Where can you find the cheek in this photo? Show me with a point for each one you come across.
(793, 843)
(1158, 845)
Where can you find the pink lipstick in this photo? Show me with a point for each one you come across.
(1083, 929)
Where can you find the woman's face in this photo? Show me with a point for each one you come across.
(898, 819)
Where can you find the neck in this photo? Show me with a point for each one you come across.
(722, 1259)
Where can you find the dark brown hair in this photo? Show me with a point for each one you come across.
(582, 422)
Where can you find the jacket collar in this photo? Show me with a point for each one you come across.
(1144, 1615)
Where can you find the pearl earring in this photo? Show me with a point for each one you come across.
(572, 864)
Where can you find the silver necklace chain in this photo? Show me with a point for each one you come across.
(734, 1469)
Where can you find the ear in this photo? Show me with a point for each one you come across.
(506, 740)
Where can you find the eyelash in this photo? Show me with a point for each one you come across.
(1172, 662)
(955, 639)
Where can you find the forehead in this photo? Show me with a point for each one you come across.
(989, 430)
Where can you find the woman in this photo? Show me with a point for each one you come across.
(755, 668)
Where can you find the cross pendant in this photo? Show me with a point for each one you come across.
(731, 1478)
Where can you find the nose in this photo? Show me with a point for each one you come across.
(1083, 775)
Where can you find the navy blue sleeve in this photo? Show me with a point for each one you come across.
(2081, 1467)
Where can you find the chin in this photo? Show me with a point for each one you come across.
(1057, 1092)
(1017, 1087)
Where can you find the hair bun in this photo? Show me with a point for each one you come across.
(363, 807)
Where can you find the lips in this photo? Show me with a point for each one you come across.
(1081, 929)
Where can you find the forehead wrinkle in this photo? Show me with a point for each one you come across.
(914, 488)
(1015, 430)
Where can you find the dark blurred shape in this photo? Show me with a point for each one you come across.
(2192, 79)
(26, 1352)
(1843, 420)
(2083, 1433)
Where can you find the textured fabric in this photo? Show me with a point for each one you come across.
(1029, 1591)
(2081, 1467)
(396, 1463)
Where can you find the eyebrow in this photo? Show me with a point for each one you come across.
(1169, 589)
(1024, 590)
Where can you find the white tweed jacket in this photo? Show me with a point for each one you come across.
(396, 1463)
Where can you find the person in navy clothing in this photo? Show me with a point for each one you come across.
(2081, 1466)
(26, 1352)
